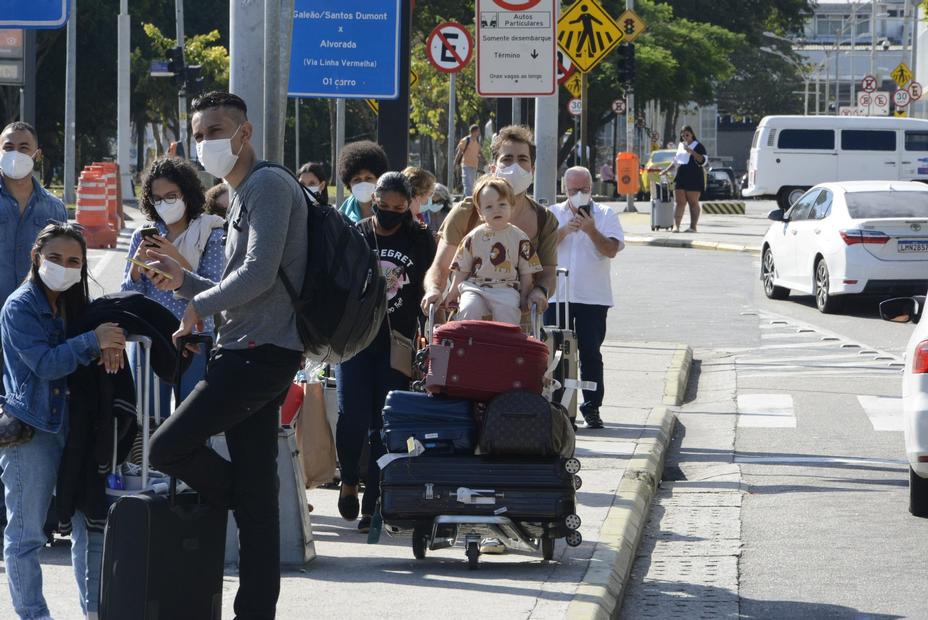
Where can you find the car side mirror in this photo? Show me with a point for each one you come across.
(777, 215)
(902, 309)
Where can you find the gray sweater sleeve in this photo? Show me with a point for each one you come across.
(268, 204)
(193, 285)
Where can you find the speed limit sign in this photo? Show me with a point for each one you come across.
(575, 107)
(901, 98)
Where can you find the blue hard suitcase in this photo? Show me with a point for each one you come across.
(442, 425)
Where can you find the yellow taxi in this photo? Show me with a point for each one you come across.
(659, 161)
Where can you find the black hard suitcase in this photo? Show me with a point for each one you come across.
(163, 557)
(525, 489)
(441, 425)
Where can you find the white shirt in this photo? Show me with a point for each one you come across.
(589, 279)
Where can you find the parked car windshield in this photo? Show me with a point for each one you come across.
(659, 157)
(719, 175)
(865, 205)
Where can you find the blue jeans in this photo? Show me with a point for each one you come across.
(468, 177)
(363, 383)
(589, 323)
(30, 472)
(87, 560)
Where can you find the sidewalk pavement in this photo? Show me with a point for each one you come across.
(734, 233)
(621, 466)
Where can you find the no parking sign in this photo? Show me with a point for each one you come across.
(450, 47)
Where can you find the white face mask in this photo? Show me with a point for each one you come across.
(519, 178)
(171, 213)
(579, 199)
(217, 156)
(16, 165)
(315, 189)
(363, 192)
(58, 278)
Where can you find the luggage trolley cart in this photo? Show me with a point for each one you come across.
(662, 203)
(481, 512)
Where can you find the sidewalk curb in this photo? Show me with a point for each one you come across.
(664, 242)
(599, 596)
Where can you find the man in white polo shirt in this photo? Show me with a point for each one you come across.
(589, 237)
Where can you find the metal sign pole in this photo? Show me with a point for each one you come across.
(584, 121)
(452, 112)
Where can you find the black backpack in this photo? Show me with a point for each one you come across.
(343, 299)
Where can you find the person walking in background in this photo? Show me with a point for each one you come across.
(405, 248)
(467, 157)
(313, 177)
(25, 208)
(258, 349)
(38, 360)
(690, 180)
(172, 200)
(422, 183)
(589, 237)
(217, 200)
(360, 164)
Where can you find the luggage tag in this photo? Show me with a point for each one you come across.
(414, 449)
(475, 497)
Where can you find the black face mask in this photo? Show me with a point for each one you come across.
(389, 220)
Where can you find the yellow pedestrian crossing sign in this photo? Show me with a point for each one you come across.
(586, 33)
(574, 84)
(631, 25)
(901, 75)
(374, 105)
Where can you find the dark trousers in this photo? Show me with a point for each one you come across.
(363, 384)
(589, 323)
(240, 396)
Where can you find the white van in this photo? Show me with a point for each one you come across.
(790, 154)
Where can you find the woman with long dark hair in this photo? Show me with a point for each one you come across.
(33, 425)
(690, 181)
(405, 248)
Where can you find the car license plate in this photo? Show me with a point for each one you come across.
(912, 246)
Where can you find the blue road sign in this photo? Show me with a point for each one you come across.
(350, 52)
(34, 14)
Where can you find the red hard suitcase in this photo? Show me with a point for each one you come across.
(480, 359)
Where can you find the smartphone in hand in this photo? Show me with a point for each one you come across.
(148, 232)
(584, 208)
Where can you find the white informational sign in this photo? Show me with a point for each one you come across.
(516, 47)
(851, 110)
(873, 104)
(575, 107)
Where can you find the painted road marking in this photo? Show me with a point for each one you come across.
(842, 460)
(766, 411)
(885, 412)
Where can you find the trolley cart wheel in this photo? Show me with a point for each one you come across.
(572, 465)
(578, 482)
(574, 539)
(547, 548)
(572, 522)
(473, 555)
(420, 541)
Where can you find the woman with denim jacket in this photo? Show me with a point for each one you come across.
(38, 359)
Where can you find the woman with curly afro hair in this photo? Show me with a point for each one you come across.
(360, 164)
(173, 202)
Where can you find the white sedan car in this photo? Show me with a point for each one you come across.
(846, 238)
(914, 397)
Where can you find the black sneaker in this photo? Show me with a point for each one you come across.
(364, 525)
(592, 418)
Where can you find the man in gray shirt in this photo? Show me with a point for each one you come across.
(258, 349)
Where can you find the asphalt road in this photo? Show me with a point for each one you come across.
(786, 492)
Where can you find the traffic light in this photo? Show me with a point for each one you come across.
(194, 79)
(625, 65)
(176, 65)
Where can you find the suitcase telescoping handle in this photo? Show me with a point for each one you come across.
(430, 323)
(563, 271)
